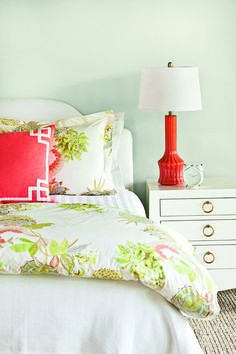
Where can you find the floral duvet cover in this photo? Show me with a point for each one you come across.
(84, 240)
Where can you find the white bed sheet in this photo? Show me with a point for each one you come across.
(124, 199)
(51, 315)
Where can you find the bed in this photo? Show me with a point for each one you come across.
(66, 315)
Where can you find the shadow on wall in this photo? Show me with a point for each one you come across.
(117, 93)
(140, 190)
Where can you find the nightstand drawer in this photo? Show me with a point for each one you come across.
(217, 256)
(204, 230)
(195, 206)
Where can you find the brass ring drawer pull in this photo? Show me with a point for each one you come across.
(207, 203)
(208, 227)
(208, 254)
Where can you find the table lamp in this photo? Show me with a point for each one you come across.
(170, 89)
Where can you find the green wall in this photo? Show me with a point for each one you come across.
(90, 53)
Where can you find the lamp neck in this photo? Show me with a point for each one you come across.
(170, 134)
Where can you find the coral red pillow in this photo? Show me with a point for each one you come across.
(24, 165)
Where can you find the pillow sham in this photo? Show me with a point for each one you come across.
(83, 158)
(111, 142)
(24, 163)
(78, 165)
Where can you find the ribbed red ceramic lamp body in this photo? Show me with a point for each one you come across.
(171, 165)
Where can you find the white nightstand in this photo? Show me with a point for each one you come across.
(206, 216)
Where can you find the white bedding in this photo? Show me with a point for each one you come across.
(124, 199)
(52, 315)
(56, 315)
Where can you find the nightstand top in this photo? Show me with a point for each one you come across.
(216, 184)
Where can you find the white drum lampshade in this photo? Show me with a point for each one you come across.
(170, 89)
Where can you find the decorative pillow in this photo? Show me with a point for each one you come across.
(24, 164)
(79, 165)
(111, 141)
(83, 158)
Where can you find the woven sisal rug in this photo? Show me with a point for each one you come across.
(219, 335)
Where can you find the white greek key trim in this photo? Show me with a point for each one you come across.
(38, 188)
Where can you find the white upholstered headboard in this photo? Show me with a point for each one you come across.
(43, 109)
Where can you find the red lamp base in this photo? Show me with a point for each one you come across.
(171, 169)
(170, 165)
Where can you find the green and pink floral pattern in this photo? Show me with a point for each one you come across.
(84, 240)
